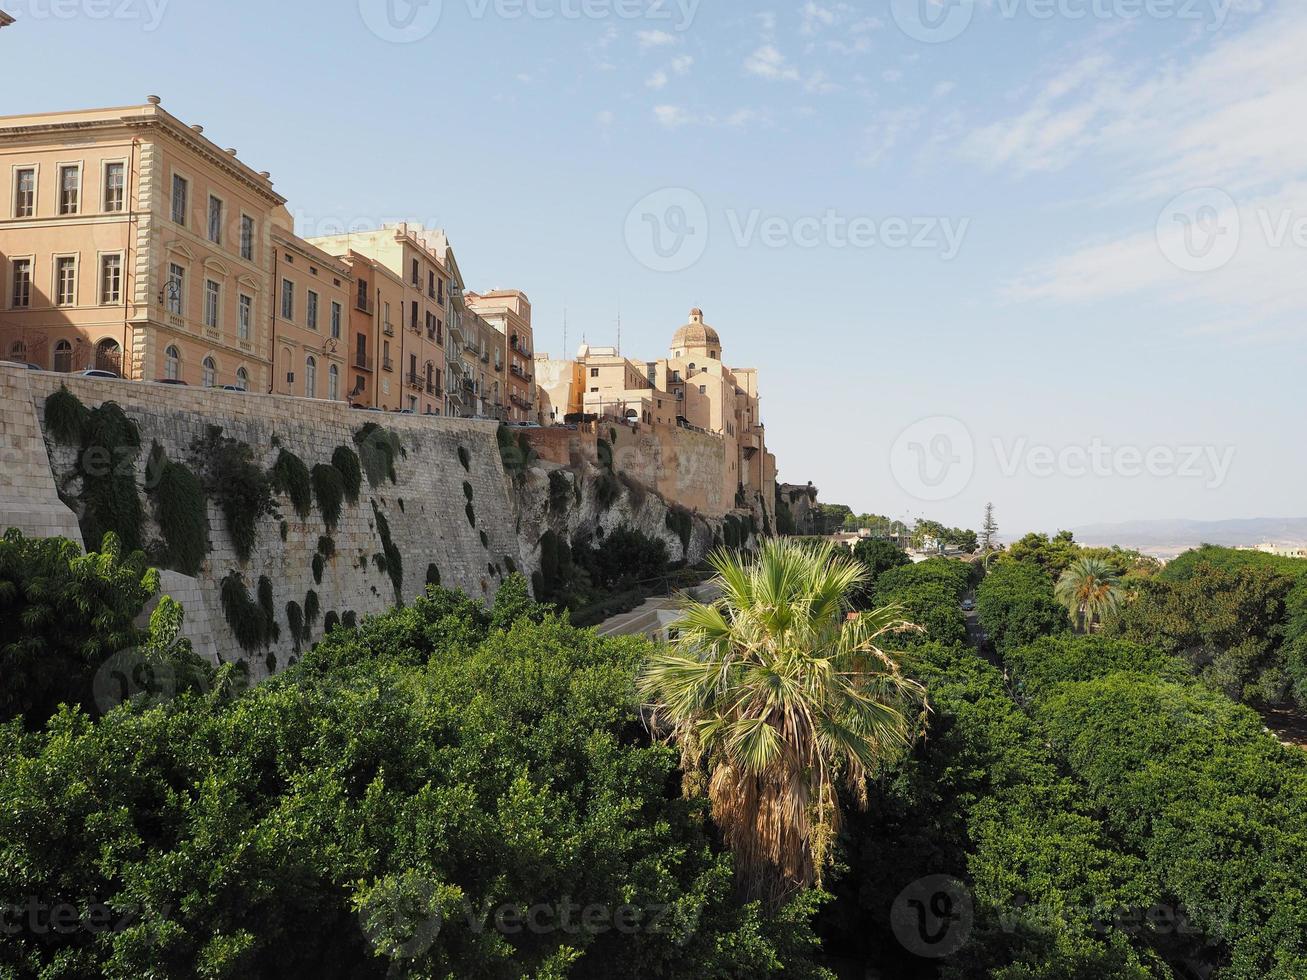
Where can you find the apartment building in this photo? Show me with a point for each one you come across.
(5, 19)
(132, 242)
(509, 312)
(308, 344)
(399, 340)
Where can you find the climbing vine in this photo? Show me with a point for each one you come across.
(181, 510)
(291, 477)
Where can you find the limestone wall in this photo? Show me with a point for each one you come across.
(426, 508)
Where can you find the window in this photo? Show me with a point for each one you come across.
(111, 279)
(115, 186)
(18, 351)
(594, 372)
(247, 238)
(70, 189)
(25, 193)
(211, 293)
(65, 281)
(335, 321)
(594, 391)
(431, 284)
(311, 310)
(242, 379)
(63, 357)
(703, 389)
(21, 297)
(417, 274)
(311, 377)
(180, 194)
(414, 318)
(363, 295)
(176, 288)
(287, 300)
(209, 372)
(333, 383)
(440, 291)
(244, 314)
(215, 220)
(172, 363)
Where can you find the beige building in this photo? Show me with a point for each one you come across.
(692, 389)
(509, 312)
(308, 347)
(131, 242)
(5, 19)
(410, 275)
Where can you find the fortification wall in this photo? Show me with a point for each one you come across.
(426, 508)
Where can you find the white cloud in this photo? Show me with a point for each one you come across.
(943, 89)
(683, 64)
(885, 133)
(768, 62)
(892, 75)
(672, 116)
(656, 39)
(605, 118)
(657, 81)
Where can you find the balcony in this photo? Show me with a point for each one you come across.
(388, 329)
(517, 372)
(416, 381)
(387, 364)
(363, 306)
(521, 350)
(363, 362)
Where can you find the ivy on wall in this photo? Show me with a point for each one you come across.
(181, 509)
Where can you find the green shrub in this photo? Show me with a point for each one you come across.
(106, 466)
(433, 574)
(350, 620)
(319, 569)
(237, 484)
(65, 417)
(312, 609)
(394, 561)
(1016, 606)
(378, 451)
(351, 471)
(252, 623)
(291, 477)
(295, 620)
(331, 622)
(605, 451)
(680, 522)
(181, 509)
(327, 547)
(329, 487)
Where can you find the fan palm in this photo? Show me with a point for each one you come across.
(777, 694)
(1090, 590)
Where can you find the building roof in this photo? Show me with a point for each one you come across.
(5, 19)
(696, 333)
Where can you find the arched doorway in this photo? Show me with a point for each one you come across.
(109, 356)
(63, 357)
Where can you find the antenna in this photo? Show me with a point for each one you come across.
(619, 329)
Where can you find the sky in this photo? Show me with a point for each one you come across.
(1046, 253)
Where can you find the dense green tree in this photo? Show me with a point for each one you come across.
(1090, 592)
(1053, 555)
(1016, 606)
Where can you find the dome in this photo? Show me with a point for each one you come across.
(696, 333)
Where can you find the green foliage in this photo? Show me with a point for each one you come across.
(71, 617)
(625, 558)
(295, 620)
(181, 510)
(106, 467)
(681, 523)
(605, 451)
(433, 574)
(319, 569)
(351, 471)
(327, 547)
(465, 458)
(350, 620)
(1016, 605)
(252, 623)
(1229, 617)
(1054, 660)
(560, 492)
(329, 487)
(312, 610)
(378, 451)
(394, 561)
(1053, 555)
(331, 622)
(608, 489)
(65, 417)
(237, 483)
(291, 477)
(880, 556)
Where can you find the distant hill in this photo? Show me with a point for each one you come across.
(1168, 538)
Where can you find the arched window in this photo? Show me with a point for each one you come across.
(63, 356)
(108, 356)
(311, 377)
(242, 379)
(172, 363)
(209, 374)
(333, 383)
(18, 352)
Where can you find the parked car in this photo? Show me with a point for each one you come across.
(231, 388)
(169, 381)
(99, 373)
(24, 364)
(968, 605)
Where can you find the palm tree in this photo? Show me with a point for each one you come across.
(1090, 589)
(777, 694)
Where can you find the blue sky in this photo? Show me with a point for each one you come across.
(1045, 252)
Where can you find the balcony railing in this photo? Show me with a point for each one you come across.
(363, 362)
(416, 381)
(387, 364)
(388, 329)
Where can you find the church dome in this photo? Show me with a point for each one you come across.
(696, 333)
